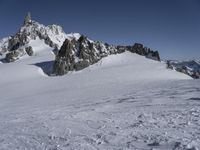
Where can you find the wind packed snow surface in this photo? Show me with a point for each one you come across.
(125, 101)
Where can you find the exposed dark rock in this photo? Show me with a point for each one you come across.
(81, 65)
(144, 51)
(60, 67)
(65, 59)
(121, 49)
(140, 50)
(14, 43)
(153, 55)
(155, 143)
(29, 51)
(48, 41)
(14, 55)
(79, 54)
(75, 55)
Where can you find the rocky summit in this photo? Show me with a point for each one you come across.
(14, 47)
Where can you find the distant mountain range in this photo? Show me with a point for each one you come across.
(75, 51)
(189, 67)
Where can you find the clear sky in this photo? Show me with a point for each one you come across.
(170, 26)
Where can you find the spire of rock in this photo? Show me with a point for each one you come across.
(27, 18)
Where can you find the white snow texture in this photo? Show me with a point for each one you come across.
(125, 101)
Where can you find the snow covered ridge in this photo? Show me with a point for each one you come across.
(190, 67)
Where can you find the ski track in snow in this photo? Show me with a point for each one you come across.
(97, 108)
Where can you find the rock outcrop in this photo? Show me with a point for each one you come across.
(79, 54)
(14, 55)
(29, 50)
(141, 50)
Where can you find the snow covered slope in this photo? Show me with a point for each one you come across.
(135, 67)
(124, 101)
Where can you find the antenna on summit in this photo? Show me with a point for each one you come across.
(27, 18)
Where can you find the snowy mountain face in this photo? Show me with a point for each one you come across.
(122, 100)
(52, 35)
(75, 51)
(191, 68)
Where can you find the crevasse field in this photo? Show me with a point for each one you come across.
(124, 102)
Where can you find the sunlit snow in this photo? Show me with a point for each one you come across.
(124, 101)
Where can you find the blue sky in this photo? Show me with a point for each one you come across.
(170, 26)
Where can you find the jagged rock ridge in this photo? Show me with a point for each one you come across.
(79, 54)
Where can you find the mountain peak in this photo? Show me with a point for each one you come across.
(27, 19)
(78, 50)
